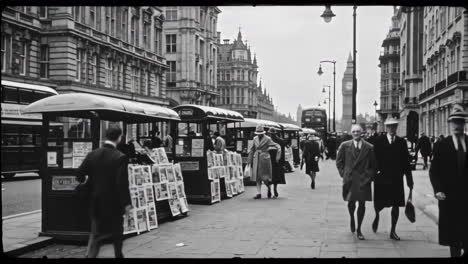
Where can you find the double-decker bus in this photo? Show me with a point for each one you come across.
(21, 136)
(315, 118)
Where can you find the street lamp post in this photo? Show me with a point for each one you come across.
(320, 72)
(329, 104)
(327, 17)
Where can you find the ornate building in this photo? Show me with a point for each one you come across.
(390, 72)
(411, 65)
(110, 51)
(445, 54)
(265, 104)
(347, 91)
(237, 78)
(190, 47)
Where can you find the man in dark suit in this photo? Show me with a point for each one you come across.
(357, 166)
(393, 161)
(277, 176)
(424, 145)
(449, 178)
(109, 200)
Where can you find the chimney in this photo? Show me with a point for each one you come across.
(226, 41)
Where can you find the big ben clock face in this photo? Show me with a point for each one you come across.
(349, 86)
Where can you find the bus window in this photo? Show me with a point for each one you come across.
(26, 96)
(10, 135)
(38, 95)
(9, 95)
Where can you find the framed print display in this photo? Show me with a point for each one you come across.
(294, 143)
(149, 194)
(142, 219)
(170, 173)
(161, 191)
(134, 197)
(180, 190)
(174, 204)
(141, 197)
(232, 173)
(178, 172)
(217, 190)
(239, 160)
(154, 156)
(76, 162)
(249, 144)
(81, 149)
(228, 190)
(183, 205)
(152, 216)
(213, 193)
(52, 158)
(209, 158)
(162, 174)
(155, 174)
(233, 187)
(179, 149)
(146, 174)
(240, 172)
(162, 155)
(210, 173)
(215, 173)
(129, 222)
(239, 145)
(172, 190)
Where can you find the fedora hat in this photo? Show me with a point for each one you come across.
(259, 130)
(458, 113)
(391, 121)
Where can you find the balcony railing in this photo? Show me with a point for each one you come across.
(411, 100)
(440, 85)
(457, 77)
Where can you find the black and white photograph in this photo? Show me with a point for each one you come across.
(282, 130)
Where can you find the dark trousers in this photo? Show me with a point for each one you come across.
(96, 239)
(424, 159)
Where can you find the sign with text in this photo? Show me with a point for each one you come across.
(64, 183)
(189, 165)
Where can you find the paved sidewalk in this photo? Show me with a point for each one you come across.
(301, 223)
(21, 232)
(423, 193)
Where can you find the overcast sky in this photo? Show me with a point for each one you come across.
(290, 41)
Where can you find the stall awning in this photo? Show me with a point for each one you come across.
(308, 131)
(190, 112)
(253, 123)
(28, 123)
(107, 108)
(290, 127)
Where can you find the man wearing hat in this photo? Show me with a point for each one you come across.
(449, 178)
(277, 166)
(259, 158)
(393, 161)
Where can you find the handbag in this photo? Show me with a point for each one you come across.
(409, 209)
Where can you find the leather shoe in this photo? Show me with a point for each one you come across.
(394, 236)
(313, 184)
(375, 224)
(276, 193)
(269, 194)
(258, 196)
(360, 236)
(353, 226)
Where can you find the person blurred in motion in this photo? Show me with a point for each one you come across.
(277, 166)
(259, 159)
(288, 156)
(109, 197)
(449, 179)
(310, 156)
(393, 161)
(424, 146)
(357, 166)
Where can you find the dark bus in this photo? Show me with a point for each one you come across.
(315, 118)
(21, 133)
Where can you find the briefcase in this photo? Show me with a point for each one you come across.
(409, 209)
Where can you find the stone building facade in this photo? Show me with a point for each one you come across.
(191, 50)
(411, 66)
(445, 55)
(264, 104)
(237, 78)
(390, 72)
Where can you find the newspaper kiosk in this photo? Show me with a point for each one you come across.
(63, 215)
(291, 133)
(192, 142)
(244, 135)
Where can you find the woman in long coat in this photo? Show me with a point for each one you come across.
(260, 159)
(310, 156)
(277, 166)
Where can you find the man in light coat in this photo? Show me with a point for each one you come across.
(219, 144)
(259, 158)
(357, 166)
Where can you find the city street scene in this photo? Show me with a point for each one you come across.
(234, 131)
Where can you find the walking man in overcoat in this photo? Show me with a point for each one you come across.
(357, 166)
(424, 145)
(393, 161)
(449, 178)
(106, 168)
(277, 166)
(310, 156)
(259, 158)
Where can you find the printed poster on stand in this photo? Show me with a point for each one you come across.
(161, 191)
(152, 216)
(129, 222)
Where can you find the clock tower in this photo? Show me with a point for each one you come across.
(347, 91)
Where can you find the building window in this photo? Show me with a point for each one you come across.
(79, 12)
(157, 40)
(121, 81)
(23, 60)
(79, 58)
(134, 31)
(146, 35)
(171, 13)
(109, 70)
(396, 67)
(113, 22)
(156, 84)
(171, 74)
(42, 11)
(457, 11)
(228, 76)
(135, 79)
(44, 62)
(171, 43)
(147, 84)
(124, 24)
(107, 19)
(92, 74)
(6, 51)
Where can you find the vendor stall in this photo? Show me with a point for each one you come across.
(194, 150)
(291, 134)
(244, 134)
(85, 118)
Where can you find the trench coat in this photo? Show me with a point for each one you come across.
(393, 161)
(357, 170)
(278, 167)
(453, 211)
(260, 159)
(106, 168)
